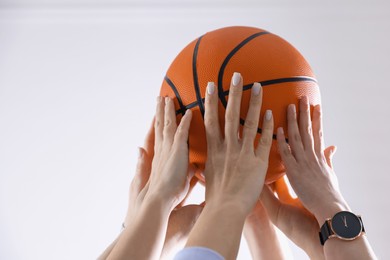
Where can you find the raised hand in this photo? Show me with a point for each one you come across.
(314, 181)
(235, 169)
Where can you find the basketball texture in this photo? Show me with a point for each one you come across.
(259, 56)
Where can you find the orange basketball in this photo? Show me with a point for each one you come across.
(259, 56)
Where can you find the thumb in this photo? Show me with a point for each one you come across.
(142, 172)
(328, 153)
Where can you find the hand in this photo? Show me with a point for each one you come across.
(169, 178)
(311, 177)
(137, 188)
(289, 215)
(235, 169)
(181, 219)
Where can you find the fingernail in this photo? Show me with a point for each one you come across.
(256, 88)
(280, 130)
(236, 78)
(293, 108)
(188, 111)
(158, 99)
(268, 115)
(166, 100)
(140, 153)
(210, 88)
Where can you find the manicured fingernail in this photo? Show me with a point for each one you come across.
(166, 100)
(188, 111)
(210, 88)
(268, 115)
(158, 99)
(236, 78)
(140, 153)
(280, 130)
(256, 88)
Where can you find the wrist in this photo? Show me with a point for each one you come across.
(226, 208)
(158, 203)
(329, 210)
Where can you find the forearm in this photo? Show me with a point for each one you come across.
(144, 237)
(219, 228)
(262, 239)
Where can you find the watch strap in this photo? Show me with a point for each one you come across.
(325, 232)
(361, 221)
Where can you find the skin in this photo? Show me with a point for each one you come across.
(309, 171)
(163, 190)
(291, 217)
(234, 171)
(261, 236)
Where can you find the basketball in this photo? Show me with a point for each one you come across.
(259, 56)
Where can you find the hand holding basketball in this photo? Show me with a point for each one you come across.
(169, 178)
(307, 168)
(235, 170)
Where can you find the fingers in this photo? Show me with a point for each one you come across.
(305, 124)
(284, 150)
(211, 121)
(159, 123)
(317, 131)
(265, 143)
(295, 140)
(169, 122)
(328, 153)
(232, 116)
(252, 117)
(181, 135)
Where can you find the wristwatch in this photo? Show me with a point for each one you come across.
(344, 225)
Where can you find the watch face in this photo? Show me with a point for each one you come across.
(346, 225)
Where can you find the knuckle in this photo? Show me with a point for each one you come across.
(157, 123)
(231, 116)
(286, 152)
(251, 124)
(168, 122)
(266, 140)
(296, 137)
(209, 122)
(308, 130)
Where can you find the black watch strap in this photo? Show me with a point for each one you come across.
(326, 231)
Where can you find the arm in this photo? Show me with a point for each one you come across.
(308, 172)
(165, 188)
(143, 238)
(261, 236)
(234, 170)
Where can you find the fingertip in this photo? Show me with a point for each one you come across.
(280, 132)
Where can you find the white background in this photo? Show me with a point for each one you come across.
(78, 82)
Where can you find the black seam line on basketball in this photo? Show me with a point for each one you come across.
(189, 106)
(275, 81)
(226, 61)
(195, 75)
(182, 109)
